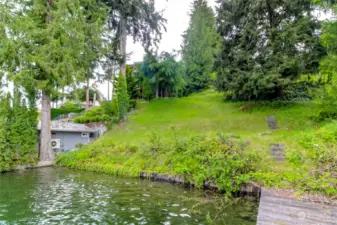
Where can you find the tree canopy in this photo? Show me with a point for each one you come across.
(266, 46)
(161, 75)
(201, 43)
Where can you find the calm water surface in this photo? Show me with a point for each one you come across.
(63, 196)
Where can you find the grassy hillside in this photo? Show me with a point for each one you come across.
(207, 112)
(202, 137)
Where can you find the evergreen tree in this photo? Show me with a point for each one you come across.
(131, 82)
(122, 98)
(201, 43)
(266, 45)
(137, 18)
(6, 155)
(18, 126)
(43, 42)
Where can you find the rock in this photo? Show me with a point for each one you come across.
(277, 151)
(272, 124)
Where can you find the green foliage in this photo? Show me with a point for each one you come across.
(107, 112)
(183, 140)
(79, 94)
(328, 109)
(37, 30)
(131, 82)
(201, 44)
(221, 159)
(263, 51)
(66, 108)
(147, 89)
(161, 76)
(18, 131)
(6, 155)
(142, 22)
(122, 98)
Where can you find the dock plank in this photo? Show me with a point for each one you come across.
(274, 210)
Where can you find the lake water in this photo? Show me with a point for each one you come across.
(63, 196)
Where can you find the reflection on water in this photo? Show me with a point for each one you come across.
(62, 196)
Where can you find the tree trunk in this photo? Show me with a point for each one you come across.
(46, 151)
(108, 90)
(94, 102)
(122, 42)
(87, 98)
(157, 89)
(113, 86)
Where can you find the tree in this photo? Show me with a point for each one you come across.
(43, 42)
(122, 98)
(6, 155)
(266, 45)
(163, 73)
(137, 18)
(131, 82)
(200, 46)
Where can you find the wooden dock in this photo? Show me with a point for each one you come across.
(275, 210)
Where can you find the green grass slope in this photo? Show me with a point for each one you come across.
(197, 137)
(208, 112)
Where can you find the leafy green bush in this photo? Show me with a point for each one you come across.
(328, 104)
(221, 159)
(66, 108)
(107, 112)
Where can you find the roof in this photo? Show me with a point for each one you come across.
(60, 125)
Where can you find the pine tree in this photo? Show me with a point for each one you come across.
(6, 155)
(266, 45)
(18, 127)
(137, 18)
(122, 98)
(201, 43)
(43, 42)
(131, 82)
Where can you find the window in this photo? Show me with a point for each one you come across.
(85, 135)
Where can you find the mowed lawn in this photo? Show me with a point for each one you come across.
(206, 113)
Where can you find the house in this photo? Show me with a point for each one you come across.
(67, 136)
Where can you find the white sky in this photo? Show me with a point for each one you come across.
(176, 12)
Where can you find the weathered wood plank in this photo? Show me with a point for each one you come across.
(274, 210)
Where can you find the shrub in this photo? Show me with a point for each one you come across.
(221, 159)
(67, 108)
(107, 112)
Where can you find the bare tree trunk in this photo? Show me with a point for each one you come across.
(46, 151)
(87, 98)
(95, 96)
(108, 90)
(113, 84)
(122, 42)
(157, 89)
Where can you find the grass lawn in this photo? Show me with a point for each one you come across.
(207, 112)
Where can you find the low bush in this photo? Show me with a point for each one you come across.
(66, 108)
(222, 159)
(107, 112)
